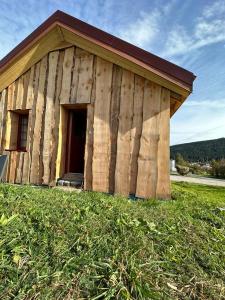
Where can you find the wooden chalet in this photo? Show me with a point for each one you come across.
(77, 100)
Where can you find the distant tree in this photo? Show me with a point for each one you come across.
(203, 151)
(182, 170)
(180, 160)
(218, 168)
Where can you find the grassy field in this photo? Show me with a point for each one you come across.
(61, 245)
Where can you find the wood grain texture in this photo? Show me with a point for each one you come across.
(3, 118)
(114, 122)
(127, 135)
(67, 76)
(49, 115)
(30, 90)
(55, 162)
(163, 157)
(88, 173)
(10, 89)
(136, 130)
(32, 118)
(26, 80)
(19, 168)
(147, 159)
(35, 164)
(85, 77)
(102, 143)
(12, 166)
(122, 172)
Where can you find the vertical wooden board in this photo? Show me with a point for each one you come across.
(6, 175)
(32, 117)
(12, 166)
(136, 130)
(30, 89)
(19, 94)
(163, 182)
(26, 78)
(85, 77)
(11, 89)
(75, 75)
(89, 135)
(122, 172)
(67, 76)
(147, 159)
(15, 91)
(3, 116)
(26, 165)
(56, 127)
(102, 144)
(62, 139)
(27, 155)
(49, 115)
(114, 122)
(19, 168)
(35, 164)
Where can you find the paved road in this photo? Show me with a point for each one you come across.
(200, 180)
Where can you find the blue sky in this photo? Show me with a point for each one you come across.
(189, 33)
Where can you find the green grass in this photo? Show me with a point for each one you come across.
(62, 245)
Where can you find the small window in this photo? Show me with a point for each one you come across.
(22, 132)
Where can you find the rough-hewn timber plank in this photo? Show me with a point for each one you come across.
(12, 167)
(30, 91)
(32, 117)
(147, 160)
(75, 75)
(85, 78)
(55, 135)
(102, 144)
(3, 115)
(67, 75)
(49, 114)
(122, 172)
(26, 79)
(114, 122)
(89, 135)
(136, 130)
(163, 182)
(19, 169)
(35, 164)
(62, 142)
(19, 94)
(11, 89)
(15, 91)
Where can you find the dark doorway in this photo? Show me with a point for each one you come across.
(76, 141)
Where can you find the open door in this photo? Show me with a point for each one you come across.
(76, 141)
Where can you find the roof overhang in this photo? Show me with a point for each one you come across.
(62, 30)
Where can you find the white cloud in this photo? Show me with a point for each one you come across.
(208, 29)
(207, 103)
(143, 31)
(218, 7)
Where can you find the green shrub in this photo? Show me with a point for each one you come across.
(182, 170)
(218, 168)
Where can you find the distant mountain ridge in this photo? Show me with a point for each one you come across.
(200, 151)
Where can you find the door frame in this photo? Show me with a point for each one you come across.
(70, 110)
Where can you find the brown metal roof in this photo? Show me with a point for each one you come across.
(175, 72)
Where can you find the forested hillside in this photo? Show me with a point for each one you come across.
(200, 151)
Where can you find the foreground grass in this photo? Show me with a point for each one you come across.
(58, 245)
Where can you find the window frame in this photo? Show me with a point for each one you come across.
(21, 116)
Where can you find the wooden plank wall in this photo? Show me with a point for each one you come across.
(127, 137)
